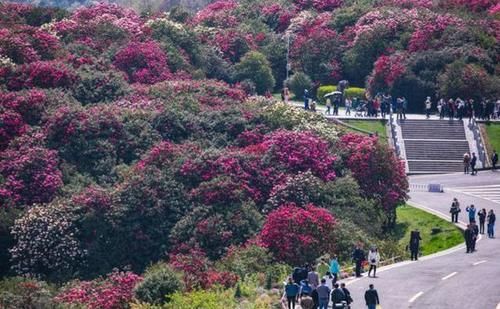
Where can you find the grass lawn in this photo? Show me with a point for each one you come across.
(409, 218)
(370, 126)
(493, 136)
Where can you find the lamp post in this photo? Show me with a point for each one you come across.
(287, 58)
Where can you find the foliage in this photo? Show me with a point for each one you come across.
(211, 299)
(159, 282)
(255, 67)
(298, 83)
(351, 92)
(42, 74)
(114, 291)
(312, 229)
(19, 292)
(94, 86)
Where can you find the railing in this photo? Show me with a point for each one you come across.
(479, 142)
(432, 187)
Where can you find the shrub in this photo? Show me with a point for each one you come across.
(246, 260)
(298, 83)
(351, 92)
(214, 299)
(95, 86)
(159, 282)
(11, 126)
(299, 235)
(255, 67)
(18, 292)
(42, 74)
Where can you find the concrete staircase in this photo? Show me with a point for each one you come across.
(433, 146)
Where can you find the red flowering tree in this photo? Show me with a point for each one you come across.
(30, 104)
(30, 175)
(218, 14)
(114, 291)
(144, 63)
(11, 125)
(297, 235)
(42, 74)
(386, 71)
(380, 174)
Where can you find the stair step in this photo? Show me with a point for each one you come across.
(434, 166)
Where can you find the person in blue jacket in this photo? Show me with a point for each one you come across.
(472, 213)
(292, 293)
(334, 269)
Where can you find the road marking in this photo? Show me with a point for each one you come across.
(414, 298)
(449, 276)
(480, 262)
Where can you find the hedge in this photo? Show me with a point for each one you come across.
(350, 92)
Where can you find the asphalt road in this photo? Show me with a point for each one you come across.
(451, 279)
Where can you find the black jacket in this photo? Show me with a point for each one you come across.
(468, 234)
(371, 297)
(491, 219)
(358, 254)
(338, 296)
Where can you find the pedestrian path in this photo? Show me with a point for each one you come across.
(488, 192)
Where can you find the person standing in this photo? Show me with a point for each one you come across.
(494, 160)
(491, 224)
(482, 219)
(472, 213)
(455, 210)
(371, 297)
(475, 235)
(328, 106)
(323, 295)
(466, 163)
(468, 236)
(348, 105)
(334, 268)
(306, 99)
(291, 293)
(414, 244)
(428, 106)
(405, 106)
(358, 255)
(313, 278)
(399, 108)
(473, 162)
(373, 259)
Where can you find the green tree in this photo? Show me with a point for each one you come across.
(298, 82)
(255, 67)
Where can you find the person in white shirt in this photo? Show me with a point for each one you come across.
(373, 259)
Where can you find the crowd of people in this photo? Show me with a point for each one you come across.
(305, 288)
(473, 230)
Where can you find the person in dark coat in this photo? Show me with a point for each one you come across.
(475, 235)
(494, 160)
(299, 274)
(468, 235)
(473, 162)
(482, 219)
(338, 295)
(414, 244)
(371, 298)
(348, 296)
(455, 210)
(358, 256)
(491, 224)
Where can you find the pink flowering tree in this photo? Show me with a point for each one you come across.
(11, 126)
(30, 175)
(42, 74)
(116, 290)
(219, 13)
(386, 72)
(380, 174)
(297, 235)
(144, 63)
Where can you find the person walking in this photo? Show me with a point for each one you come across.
(335, 268)
(473, 162)
(414, 244)
(466, 163)
(323, 295)
(305, 288)
(494, 160)
(482, 219)
(348, 105)
(347, 293)
(405, 106)
(468, 236)
(306, 99)
(373, 259)
(358, 256)
(313, 278)
(338, 296)
(329, 280)
(291, 293)
(455, 210)
(491, 223)
(472, 213)
(371, 297)
(428, 106)
(328, 106)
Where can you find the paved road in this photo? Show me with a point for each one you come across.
(455, 280)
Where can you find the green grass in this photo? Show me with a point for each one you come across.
(493, 136)
(410, 218)
(370, 126)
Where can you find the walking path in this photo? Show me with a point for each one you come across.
(451, 279)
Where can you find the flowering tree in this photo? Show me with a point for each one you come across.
(144, 63)
(380, 174)
(114, 291)
(30, 175)
(11, 126)
(297, 235)
(386, 71)
(42, 74)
